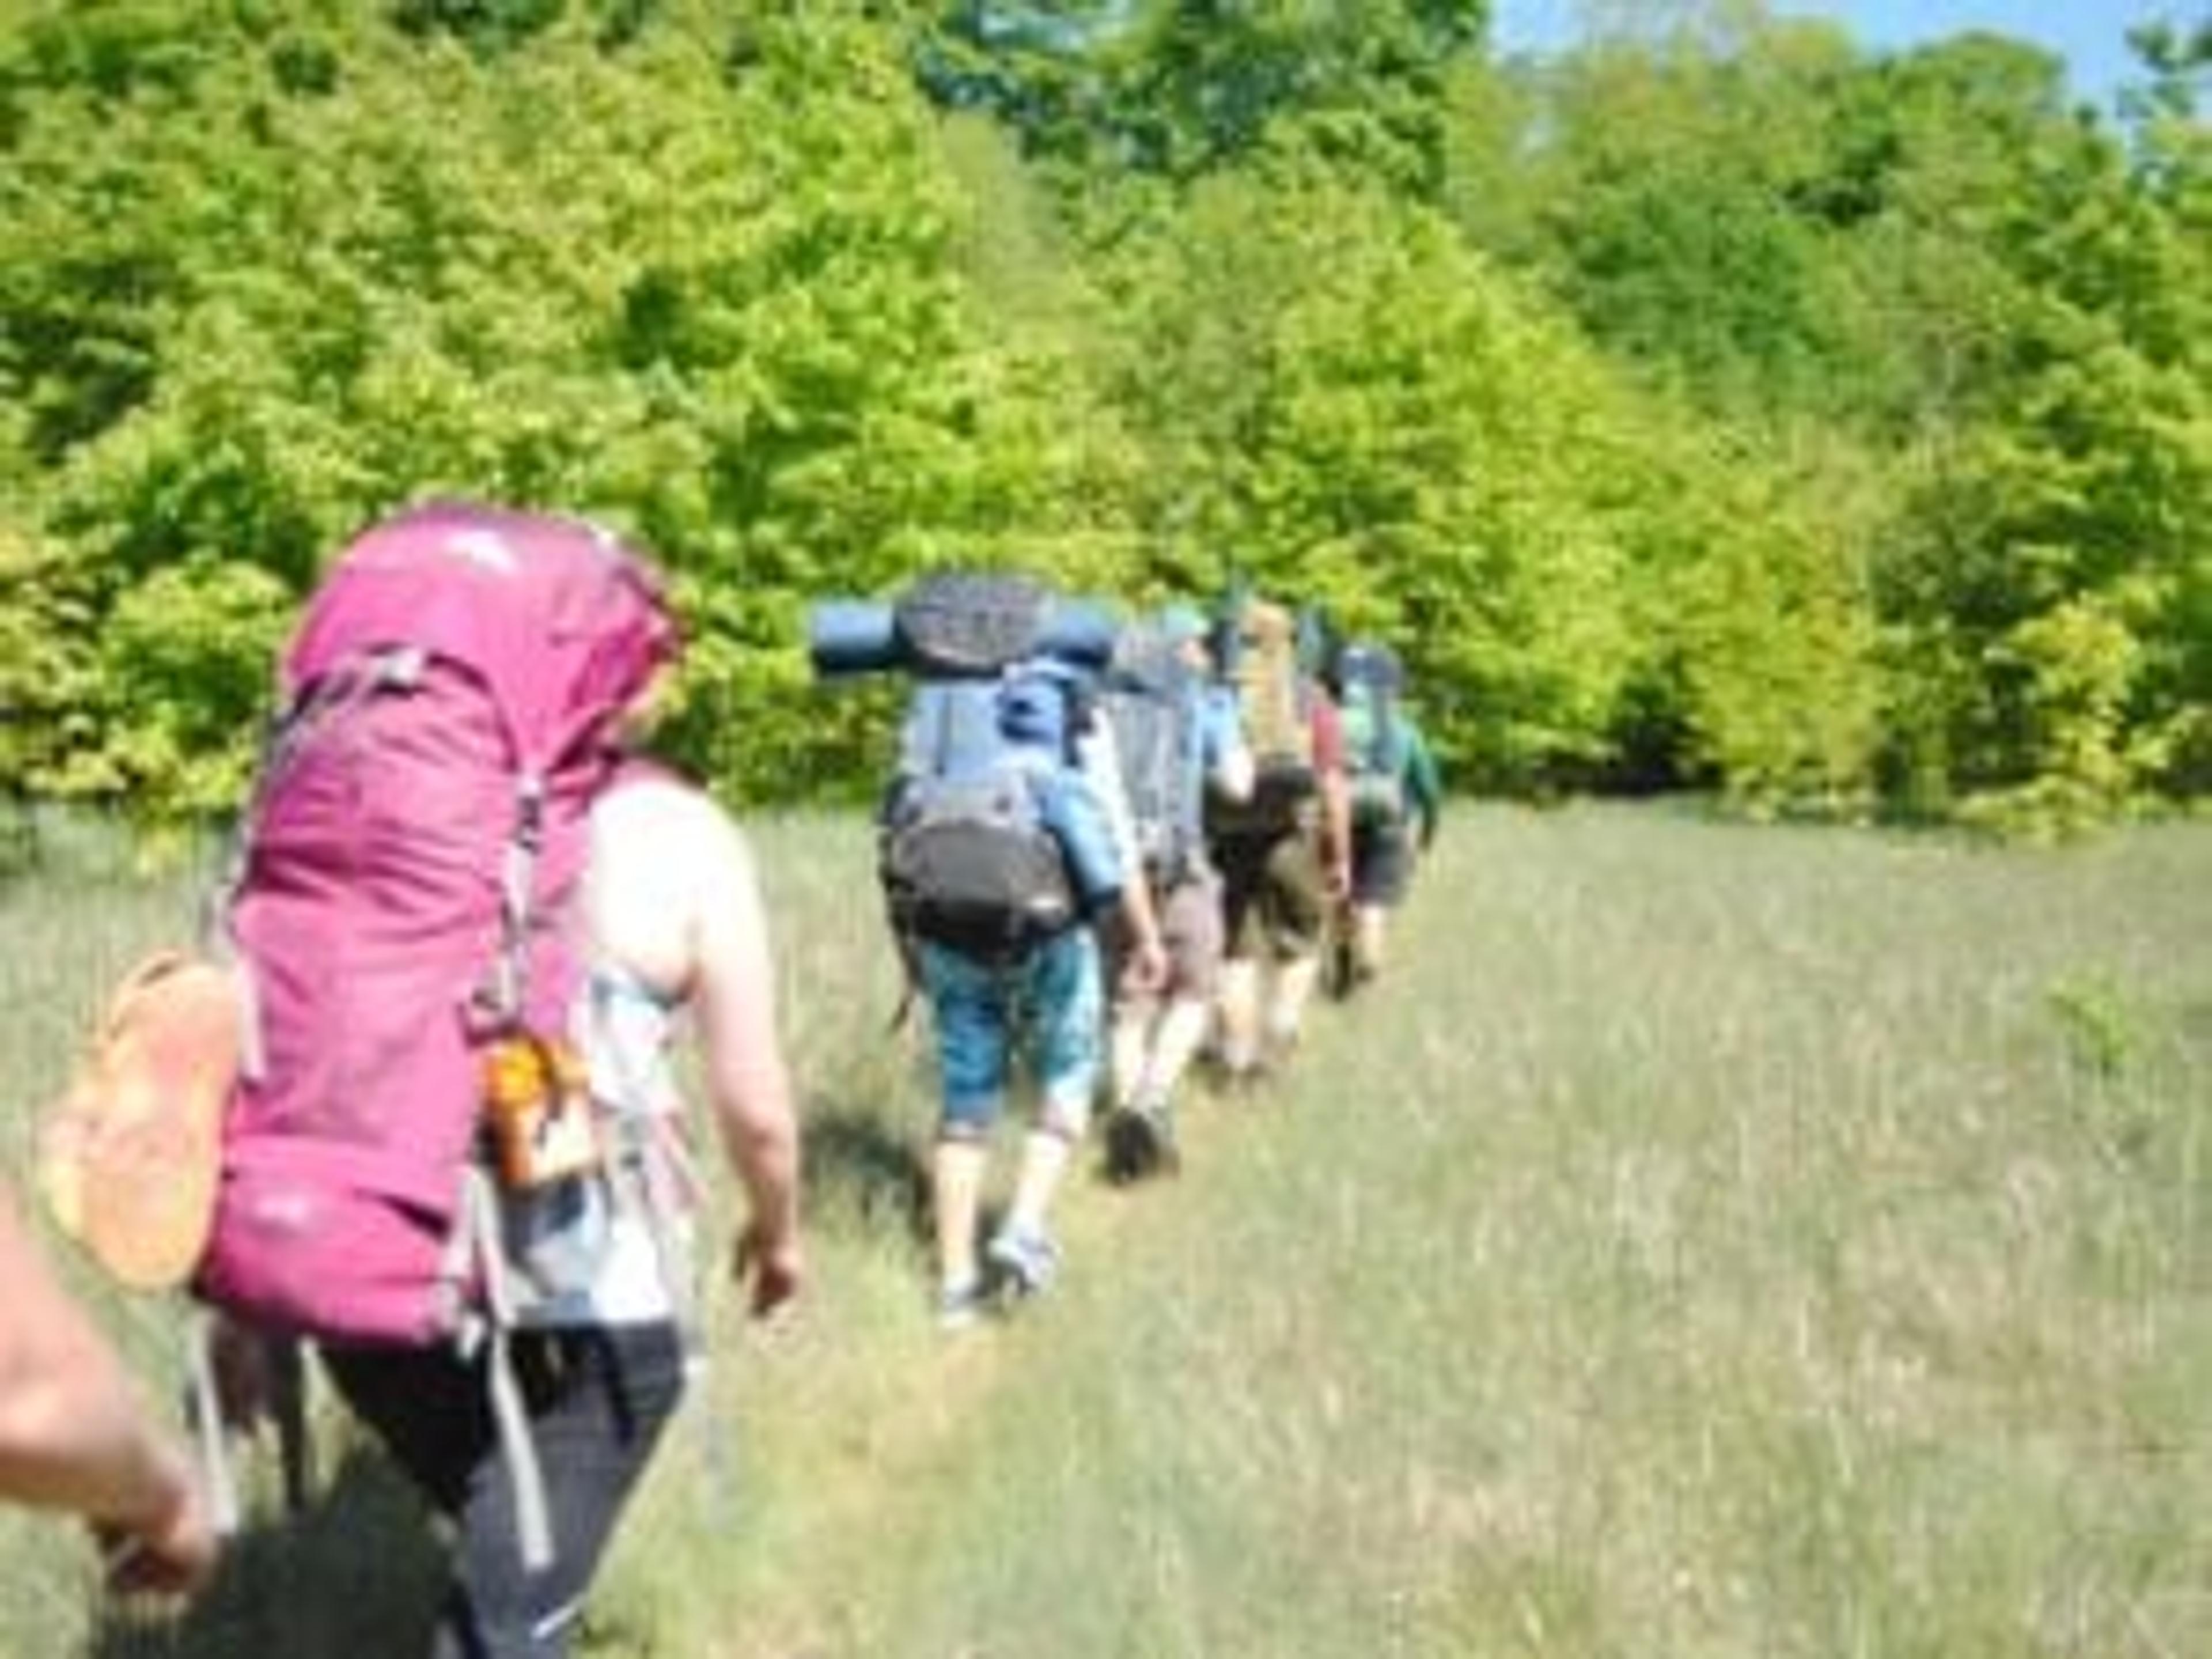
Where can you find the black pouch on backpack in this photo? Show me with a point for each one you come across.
(971, 866)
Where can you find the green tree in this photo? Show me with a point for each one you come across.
(698, 281)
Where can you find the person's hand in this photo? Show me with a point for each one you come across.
(771, 1268)
(1148, 965)
(173, 1552)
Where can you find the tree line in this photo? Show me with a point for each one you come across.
(1720, 404)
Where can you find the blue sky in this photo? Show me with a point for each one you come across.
(2089, 34)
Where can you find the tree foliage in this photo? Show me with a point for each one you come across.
(1719, 405)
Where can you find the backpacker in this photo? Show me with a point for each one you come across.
(396, 912)
(1276, 705)
(1368, 680)
(1152, 699)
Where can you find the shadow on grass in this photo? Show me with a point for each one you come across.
(357, 1572)
(858, 1163)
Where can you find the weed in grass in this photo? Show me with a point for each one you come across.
(2100, 1030)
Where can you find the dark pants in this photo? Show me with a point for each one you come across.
(1274, 895)
(597, 1400)
(1381, 862)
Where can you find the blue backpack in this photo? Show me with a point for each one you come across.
(991, 840)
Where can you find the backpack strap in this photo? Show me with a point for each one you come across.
(492, 1332)
(930, 749)
(498, 1002)
(203, 1405)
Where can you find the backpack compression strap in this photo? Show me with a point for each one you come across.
(492, 1332)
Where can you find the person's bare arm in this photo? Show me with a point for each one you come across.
(1100, 763)
(1148, 957)
(1335, 798)
(748, 1084)
(74, 1435)
(1336, 804)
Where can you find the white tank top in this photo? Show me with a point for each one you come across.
(622, 1254)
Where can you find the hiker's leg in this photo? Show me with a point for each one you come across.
(1135, 1013)
(1286, 1010)
(1239, 1008)
(432, 1412)
(1181, 1034)
(599, 1400)
(1242, 862)
(1298, 912)
(1191, 919)
(955, 1197)
(1368, 925)
(1065, 991)
(1045, 1153)
(1380, 876)
(596, 1410)
(1131, 1047)
(433, 1415)
(968, 1006)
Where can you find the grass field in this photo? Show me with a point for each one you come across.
(1707, 1241)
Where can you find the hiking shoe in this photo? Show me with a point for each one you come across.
(1026, 1261)
(959, 1306)
(1140, 1142)
(1131, 1148)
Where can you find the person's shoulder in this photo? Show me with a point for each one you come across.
(651, 791)
(661, 809)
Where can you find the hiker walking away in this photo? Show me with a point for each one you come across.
(673, 924)
(458, 1164)
(1284, 853)
(1178, 735)
(1000, 849)
(75, 1436)
(1396, 797)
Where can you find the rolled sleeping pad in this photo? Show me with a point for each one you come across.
(861, 637)
(1080, 633)
(851, 636)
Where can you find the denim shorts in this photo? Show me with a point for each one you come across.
(1049, 1004)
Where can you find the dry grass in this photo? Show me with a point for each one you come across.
(1707, 1242)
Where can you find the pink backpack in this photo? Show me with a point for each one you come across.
(397, 905)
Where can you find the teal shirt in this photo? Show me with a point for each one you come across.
(1424, 794)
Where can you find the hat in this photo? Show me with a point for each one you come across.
(1179, 623)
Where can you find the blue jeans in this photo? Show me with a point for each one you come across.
(1051, 1001)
